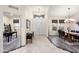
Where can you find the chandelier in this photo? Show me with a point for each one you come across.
(69, 19)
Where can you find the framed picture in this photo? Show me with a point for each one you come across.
(61, 21)
(15, 20)
(54, 21)
(54, 28)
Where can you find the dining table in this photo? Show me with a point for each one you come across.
(72, 36)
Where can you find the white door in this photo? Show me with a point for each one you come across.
(38, 26)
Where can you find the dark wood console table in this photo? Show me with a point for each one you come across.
(8, 34)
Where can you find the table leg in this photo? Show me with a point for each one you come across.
(8, 38)
(16, 35)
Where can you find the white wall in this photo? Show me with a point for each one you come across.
(6, 20)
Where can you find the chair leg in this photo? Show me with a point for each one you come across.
(31, 40)
(8, 38)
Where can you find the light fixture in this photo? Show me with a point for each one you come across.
(69, 19)
(13, 7)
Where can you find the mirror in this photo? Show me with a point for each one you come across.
(27, 24)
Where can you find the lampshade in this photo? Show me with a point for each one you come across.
(67, 20)
(70, 20)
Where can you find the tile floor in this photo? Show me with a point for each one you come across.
(40, 44)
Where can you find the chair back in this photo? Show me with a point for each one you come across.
(7, 28)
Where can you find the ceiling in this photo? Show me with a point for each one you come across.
(11, 15)
(56, 10)
(62, 10)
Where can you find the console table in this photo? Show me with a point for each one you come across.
(8, 34)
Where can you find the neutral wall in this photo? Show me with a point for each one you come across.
(6, 20)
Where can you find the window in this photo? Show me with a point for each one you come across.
(61, 21)
(54, 21)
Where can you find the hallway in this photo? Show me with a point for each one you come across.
(40, 45)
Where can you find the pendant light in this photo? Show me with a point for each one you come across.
(69, 19)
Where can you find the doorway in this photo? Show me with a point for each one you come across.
(38, 25)
(11, 32)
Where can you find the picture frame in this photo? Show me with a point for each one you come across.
(15, 20)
